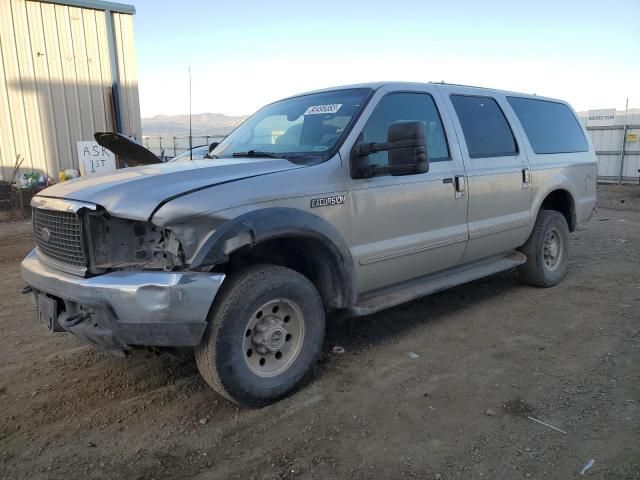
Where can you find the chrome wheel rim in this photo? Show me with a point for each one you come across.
(553, 250)
(273, 337)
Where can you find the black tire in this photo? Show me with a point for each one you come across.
(222, 356)
(541, 270)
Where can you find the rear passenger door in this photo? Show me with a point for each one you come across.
(498, 174)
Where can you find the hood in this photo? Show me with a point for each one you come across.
(131, 152)
(136, 193)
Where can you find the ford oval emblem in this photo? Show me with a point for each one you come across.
(45, 234)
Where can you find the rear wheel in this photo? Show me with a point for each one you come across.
(265, 332)
(547, 250)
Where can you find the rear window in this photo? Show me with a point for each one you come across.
(550, 126)
(485, 128)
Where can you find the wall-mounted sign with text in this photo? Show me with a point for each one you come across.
(601, 118)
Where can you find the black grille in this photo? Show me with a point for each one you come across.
(59, 236)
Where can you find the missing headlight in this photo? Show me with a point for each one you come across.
(115, 243)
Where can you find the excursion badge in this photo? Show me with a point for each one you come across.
(328, 201)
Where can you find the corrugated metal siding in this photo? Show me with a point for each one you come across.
(55, 82)
(131, 123)
(607, 140)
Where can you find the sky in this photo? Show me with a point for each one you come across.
(245, 54)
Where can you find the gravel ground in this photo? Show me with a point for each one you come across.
(439, 388)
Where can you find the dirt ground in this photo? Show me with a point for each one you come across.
(439, 388)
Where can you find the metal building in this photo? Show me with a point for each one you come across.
(617, 144)
(67, 70)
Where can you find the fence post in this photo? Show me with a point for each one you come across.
(624, 141)
(174, 146)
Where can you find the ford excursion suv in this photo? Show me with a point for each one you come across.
(342, 201)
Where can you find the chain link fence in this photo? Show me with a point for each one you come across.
(173, 145)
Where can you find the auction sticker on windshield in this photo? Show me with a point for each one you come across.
(317, 109)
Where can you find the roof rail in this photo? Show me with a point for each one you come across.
(442, 82)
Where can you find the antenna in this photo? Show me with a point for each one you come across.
(190, 132)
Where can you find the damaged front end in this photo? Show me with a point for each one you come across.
(114, 282)
(85, 240)
(113, 244)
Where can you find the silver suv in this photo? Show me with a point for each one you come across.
(342, 201)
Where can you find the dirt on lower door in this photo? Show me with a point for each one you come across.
(444, 387)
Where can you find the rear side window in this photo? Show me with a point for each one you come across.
(551, 127)
(485, 127)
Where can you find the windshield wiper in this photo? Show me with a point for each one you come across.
(255, 153)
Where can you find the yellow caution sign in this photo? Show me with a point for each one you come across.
(632, 137)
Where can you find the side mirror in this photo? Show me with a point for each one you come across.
(407, 147)
(408, 154)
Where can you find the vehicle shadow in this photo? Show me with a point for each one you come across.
(357, 333)
(354, 334)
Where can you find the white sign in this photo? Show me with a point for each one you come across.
(95, 159)
(601, 118)
(318, 109)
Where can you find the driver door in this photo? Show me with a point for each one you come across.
(403, 227)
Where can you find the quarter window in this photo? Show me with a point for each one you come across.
(403, 107)
(550, 126)
(485, 127)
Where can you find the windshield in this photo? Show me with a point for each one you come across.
(295, 128)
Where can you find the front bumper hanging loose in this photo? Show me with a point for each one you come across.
(126, 308)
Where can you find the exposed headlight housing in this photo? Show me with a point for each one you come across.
(115, 243)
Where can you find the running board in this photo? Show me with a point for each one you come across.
(404, 292)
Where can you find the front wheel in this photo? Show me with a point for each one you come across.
(547, 251)
(265, 332)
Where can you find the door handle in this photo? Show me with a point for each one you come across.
(526, 178)
(460, 185)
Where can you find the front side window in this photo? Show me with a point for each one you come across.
(551, 127)
(403, 107)
(298, 129)
(485, 127)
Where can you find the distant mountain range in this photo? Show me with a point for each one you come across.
(201, 124)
